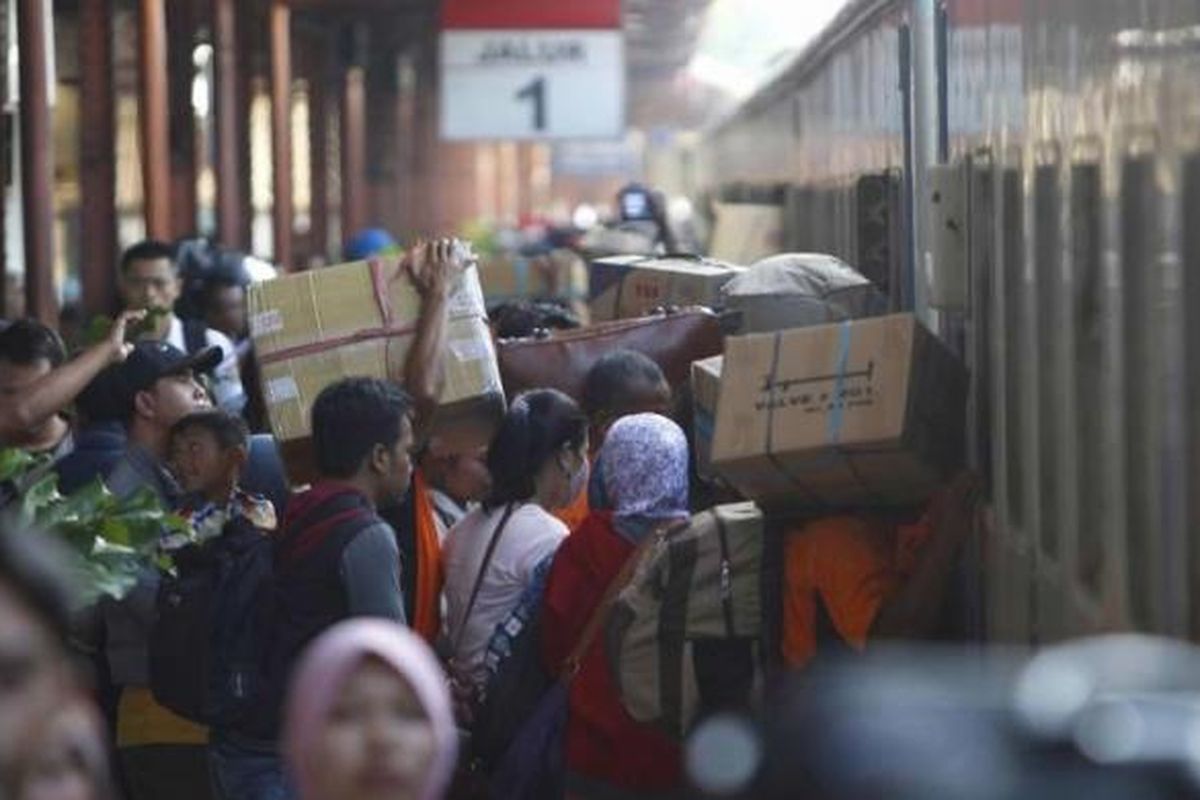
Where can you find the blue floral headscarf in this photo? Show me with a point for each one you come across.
(642, 474)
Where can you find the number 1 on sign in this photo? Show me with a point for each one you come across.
(535, 90)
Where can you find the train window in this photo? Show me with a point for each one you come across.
(1191, 302)
(1048, 332)
(1014, 352)
(1137, 218)
(1088, 308)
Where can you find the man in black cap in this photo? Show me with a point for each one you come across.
(161, 755)
(159, 389)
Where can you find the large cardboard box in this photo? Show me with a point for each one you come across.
(746, 232)
(622, 287)
(314, 328)
(867, 413)
(706, 389)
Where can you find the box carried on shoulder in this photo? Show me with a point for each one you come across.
(314, 328)
(686, 636)
(865, 413)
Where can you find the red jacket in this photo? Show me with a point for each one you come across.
(603, 742)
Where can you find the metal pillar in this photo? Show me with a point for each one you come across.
(37, 172)
(97, 156)
(281, 127)
(925, 143)
(152, 80)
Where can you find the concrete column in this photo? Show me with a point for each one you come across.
(230, 197)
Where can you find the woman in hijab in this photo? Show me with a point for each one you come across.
(368, 717)
(640, 489)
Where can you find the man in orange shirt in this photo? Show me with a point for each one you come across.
(857, 579)
(621, 383)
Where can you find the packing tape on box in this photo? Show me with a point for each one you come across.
(833, 452)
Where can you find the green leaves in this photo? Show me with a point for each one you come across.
(112, 540)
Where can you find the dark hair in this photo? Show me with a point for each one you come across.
(27, 341)
(229, 430)
(520, 319)
(351, 417)
(538, 425)
(612, 381)
(32, 567)
(148, 250)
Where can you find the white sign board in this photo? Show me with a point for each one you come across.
(547, 84)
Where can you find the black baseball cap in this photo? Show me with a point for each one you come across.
(151, 361)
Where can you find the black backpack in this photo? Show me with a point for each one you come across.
(207, 647)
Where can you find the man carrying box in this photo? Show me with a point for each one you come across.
(852, 580)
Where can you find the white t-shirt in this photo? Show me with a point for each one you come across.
(531, 535)
(227, 382)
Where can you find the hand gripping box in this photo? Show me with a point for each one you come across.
(865, 413)
(314, 328)
(621, 287)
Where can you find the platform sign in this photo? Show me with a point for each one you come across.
(530, 69)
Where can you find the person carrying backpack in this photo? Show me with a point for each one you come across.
(640, 490)
(222, 587)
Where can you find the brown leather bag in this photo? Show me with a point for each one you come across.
(562, 360)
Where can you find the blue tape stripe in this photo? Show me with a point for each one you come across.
(837, 414)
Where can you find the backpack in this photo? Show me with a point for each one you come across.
(518, 679)
(686, 636)
(195, 336)
(207, 658)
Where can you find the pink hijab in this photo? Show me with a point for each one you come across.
(323, 671)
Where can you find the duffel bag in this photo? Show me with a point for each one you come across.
(562, 360)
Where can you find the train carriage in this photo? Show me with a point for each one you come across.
(1025, 176)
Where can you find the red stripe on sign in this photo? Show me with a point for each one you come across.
(530, 14)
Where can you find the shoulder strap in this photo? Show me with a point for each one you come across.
(571, 665)
(483, 567)
(195, 335)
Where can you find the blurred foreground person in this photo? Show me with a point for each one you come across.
(66, 758)
(1111, 718)
(640, 489)
(35, 674)
(368, 717)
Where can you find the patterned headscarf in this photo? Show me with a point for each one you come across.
(643, 474)
(329, 663)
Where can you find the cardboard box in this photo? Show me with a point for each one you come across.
(314, 328)
(868, 413)
(706, 388)
(556, 275)
(746, 232)
(622, 287)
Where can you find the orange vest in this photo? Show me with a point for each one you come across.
(426, 619)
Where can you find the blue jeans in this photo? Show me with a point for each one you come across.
(241, 773)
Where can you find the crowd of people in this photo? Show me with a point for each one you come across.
(399, 581)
